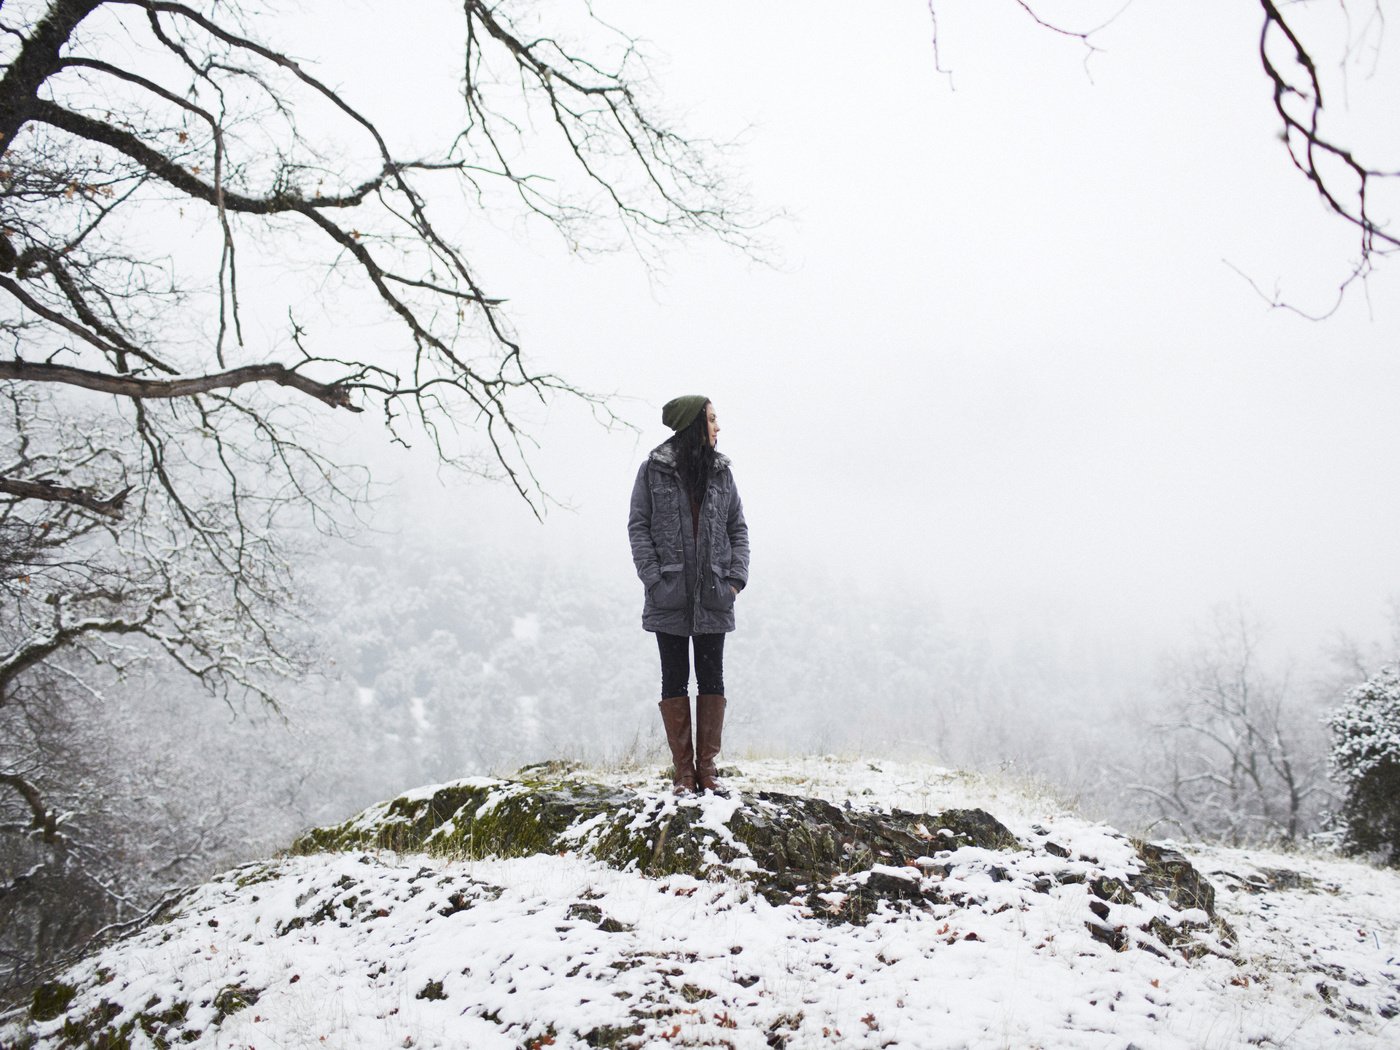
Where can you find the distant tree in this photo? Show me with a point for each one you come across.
(1239, 756)
(1365, 759)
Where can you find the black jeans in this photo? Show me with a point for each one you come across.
(675, 663)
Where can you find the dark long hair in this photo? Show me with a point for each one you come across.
(694, 455)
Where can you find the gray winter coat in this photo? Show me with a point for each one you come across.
(688, 576)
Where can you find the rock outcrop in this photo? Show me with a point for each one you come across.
(565, 907)
(839, 864)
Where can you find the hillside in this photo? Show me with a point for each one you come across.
(830, 903)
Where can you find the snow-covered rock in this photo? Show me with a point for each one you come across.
(826, 904)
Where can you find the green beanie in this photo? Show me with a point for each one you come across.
(680, 412)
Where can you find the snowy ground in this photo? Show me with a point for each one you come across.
(383, 950)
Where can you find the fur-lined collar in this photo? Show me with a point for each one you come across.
(663, 455)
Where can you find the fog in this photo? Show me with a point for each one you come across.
(1010, 418)
(1028, 457)
(1004, 354)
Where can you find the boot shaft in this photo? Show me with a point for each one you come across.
(709, 737)
(675, 717)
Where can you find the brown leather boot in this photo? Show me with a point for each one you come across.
(709, 729)
(675, 716)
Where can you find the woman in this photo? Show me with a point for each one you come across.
(691, 549)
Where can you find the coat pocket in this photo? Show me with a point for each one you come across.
(717, 595)
(669, 591)
(665, 514)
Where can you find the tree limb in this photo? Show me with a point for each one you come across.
(45, 820)
(138, 388)
(35, 63)
(110, 506)
(180, 177)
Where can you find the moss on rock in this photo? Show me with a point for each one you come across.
(50, 1000)
(841, 864)
(790, 847)
(232, 998)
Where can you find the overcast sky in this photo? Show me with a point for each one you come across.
(1002, 356)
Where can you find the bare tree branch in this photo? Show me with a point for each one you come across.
(334, 394)
(108, 506)
(45, 820)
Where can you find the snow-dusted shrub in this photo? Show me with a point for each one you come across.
(1365, 758)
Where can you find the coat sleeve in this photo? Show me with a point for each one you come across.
(639, 530)
(738, 530)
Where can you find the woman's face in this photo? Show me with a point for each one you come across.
(712, 425)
